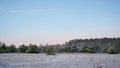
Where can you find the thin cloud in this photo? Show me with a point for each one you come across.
(4, 9)
(26, 10)
(3, 5)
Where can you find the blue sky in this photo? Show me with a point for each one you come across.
(57, 21)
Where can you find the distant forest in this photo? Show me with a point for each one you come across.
(97, 45)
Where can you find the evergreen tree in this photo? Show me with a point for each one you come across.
(23, 48)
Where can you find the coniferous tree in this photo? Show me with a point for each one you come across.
(12, 48)
(23, 48)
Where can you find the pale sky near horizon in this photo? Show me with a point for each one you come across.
(57, 21)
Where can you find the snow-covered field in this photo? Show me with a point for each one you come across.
(77, 60)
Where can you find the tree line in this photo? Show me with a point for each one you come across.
(98, 45)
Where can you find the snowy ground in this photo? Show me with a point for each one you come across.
(77, 60)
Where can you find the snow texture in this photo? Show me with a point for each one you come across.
(76, 60)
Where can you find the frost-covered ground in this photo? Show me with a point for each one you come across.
(77, 60)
